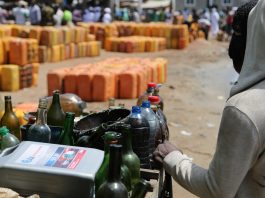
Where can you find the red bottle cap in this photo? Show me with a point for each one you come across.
(154, 99)
(151, 84)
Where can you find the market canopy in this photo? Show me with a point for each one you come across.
(148, 4)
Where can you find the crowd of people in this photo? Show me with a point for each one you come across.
(209, 20)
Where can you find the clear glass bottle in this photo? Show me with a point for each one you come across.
(56, 115)
(113, 187)
(149, 92)
(9, 119)
(40, 131)
(66, 137)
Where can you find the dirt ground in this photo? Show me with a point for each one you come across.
(199, 80)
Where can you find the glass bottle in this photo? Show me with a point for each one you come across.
(140, 189)
(113, 187)
(111, 103)
(101, 176)
(166, 191)
(9, 119)
(40, 131)
(156, 93)
(140, 136)
(129, 158)
(149, 92)
(7, 140)
(55, 115)
(66, 137)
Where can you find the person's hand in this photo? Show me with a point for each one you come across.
(162, 151)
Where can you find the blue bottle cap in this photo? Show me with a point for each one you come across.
(136, 109)
(146, 104)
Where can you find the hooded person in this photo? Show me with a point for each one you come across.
(215, 17)
(237, 167)
(107, 16)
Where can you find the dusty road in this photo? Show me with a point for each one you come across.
(198, 84)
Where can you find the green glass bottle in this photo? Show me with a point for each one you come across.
(7, 140)
(56, 115)
(9, 119)
(101, 176)
(113, 187)
(140, 189)
(40, 131)
(129, 158)
(66, 137)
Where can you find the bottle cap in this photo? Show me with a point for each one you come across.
(136, 109)
(4, 131)
(7, 97)
(70, 114)
(154, 99)
(151, 85)
(146, 104)
(56, 92)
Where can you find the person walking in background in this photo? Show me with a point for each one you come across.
(168, 15)
(20, 13)
(215, 17)
(77, 14)
(125, 14)
(107, 16)
(58, 16)
(35, 13)
(47, 15)
(237, 167)
(97, 14)
(3, 15)
(136, 16)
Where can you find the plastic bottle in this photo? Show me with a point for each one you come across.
(164, 135)
(7, 139)
(113, 187)
(140, 136)
(56, 115)
(149, 92)
(40, 132)
(153, 121)
(156, 93)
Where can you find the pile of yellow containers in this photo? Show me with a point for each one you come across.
(132, 44)
(59, 43)
(176, 36)
(19, 67)
(115, 77)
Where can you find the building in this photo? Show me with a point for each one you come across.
(201, 4)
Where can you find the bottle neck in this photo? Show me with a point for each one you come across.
(56, 100)
(41, 116)
(127, 141)
(114, 165)
(8, 106)
(69, 125)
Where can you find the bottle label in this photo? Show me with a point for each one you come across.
(57, 157)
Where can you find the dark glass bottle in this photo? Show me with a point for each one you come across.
(113, 187)
(55, 115)
(67, 133)
(40, 132)
(167, 187)
(9, 119)
(140, 189)
(140, 136)
(149, 92)
(129, 158)
(101, 176)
